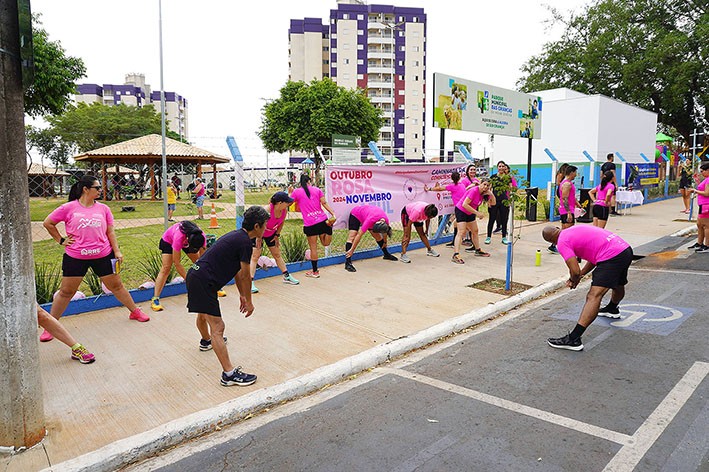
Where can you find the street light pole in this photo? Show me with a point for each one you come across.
(162, 116)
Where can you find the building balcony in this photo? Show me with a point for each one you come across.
(380, 39)
(380, 99)
(380, 70)
(380, 84)
(380, 55)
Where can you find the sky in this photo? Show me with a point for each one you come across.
(226, 56)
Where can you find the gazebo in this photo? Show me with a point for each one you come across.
(148, 150)
(40, 179)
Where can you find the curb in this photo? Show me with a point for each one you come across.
(144, 445)
(684, 232)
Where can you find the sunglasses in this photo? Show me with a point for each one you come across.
(97, 187)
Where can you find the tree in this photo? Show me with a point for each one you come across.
(48, 145)
(650, 53)
(88, 127)
(55, 75)
(306, 116)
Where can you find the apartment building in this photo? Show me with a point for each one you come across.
(135, 92)
(378, 48)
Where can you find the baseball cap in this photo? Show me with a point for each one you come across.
(279, 197)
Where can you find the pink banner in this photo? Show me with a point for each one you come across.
(388, 187)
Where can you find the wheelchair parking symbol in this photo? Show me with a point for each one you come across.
(655, 319)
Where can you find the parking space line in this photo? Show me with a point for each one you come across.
(549, 417)
(669, 271)
(631, 453)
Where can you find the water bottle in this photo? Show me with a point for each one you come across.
(538, 258)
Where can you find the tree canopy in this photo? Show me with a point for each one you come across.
(650, 53)
(88, 127)
(55, 75)
(307, 115)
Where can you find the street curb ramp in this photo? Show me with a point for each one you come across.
(144, 445)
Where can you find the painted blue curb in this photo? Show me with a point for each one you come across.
(103, 302)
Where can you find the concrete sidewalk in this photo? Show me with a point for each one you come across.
(149, 377)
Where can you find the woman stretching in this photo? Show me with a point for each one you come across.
(90, 242)
(457, 190)
(466, 211)
(601, 196)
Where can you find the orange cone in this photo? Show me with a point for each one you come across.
(213, 219)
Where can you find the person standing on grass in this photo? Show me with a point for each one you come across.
(503, 184)
(365, 218)
(199, 196)
(416, 214)
(183, 236)
(316, 225)
(466, 212)
(702, 191)
(603, 251)
(229, 257)
(55, 328)
(457, 190)
(601, 196)
(90, 243)
(271, 236)
(171, 200)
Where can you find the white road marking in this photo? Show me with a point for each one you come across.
(587, 346)
(631, 453)
(549, 417)
(669, 271)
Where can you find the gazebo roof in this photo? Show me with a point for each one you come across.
(149, 148)
(41, 169)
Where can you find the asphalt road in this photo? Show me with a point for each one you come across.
(498, 398)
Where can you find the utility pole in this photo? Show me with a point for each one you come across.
(21, 400)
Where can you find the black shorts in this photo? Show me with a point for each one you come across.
(72, 267)
(353, 224)
(463, 217)
(270, 240)
(601, 212)
(567, 219)
(201, 295)
(685, 183)
(317, 229)
(405, 220)
(613, 272)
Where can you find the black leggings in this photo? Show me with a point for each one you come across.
(498, 214)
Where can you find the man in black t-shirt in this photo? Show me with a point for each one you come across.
(229, 257)
(609, 165)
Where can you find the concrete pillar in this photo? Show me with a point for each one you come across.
(21, 401)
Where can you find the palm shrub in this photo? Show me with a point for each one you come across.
(94, 283)
(47, 280)
(150, 264)
(293, 246)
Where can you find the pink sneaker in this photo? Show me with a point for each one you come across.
(138, 315)
(45, 336)
(82, 355)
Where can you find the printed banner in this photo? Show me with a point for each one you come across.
(388, 187)
(642, 175)
(471, 106)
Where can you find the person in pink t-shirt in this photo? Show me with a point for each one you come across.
(702, 192)
(466, 212)
(90, 243)
(603, 251)
(316, 224)
(365, 218)
(416, 214)
(271, 236)
(183, 236)
(601, 196)
(457, 190)
(567, 197)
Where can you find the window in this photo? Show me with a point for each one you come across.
(345, 16)
(325, 61)
(416, 19)
(360, 61)
(360, 17)
(416, 78)
(360, 32)
(416, 136)
(415, 121)
(402, 48)
(415, 107)
(346, 46)
(325, 49)
(416, 63)
(416, 49)
(360, 76)
(360, 47)
(345, 61)
(346, 76)
(415, 93)
(402, 92)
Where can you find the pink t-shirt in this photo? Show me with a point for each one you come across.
(475, 200)
(88, 227)
(456, 190)
(310, 207)
(177, 239)
(202, 191)
(702, 200)
(466, 181)
(368, 215)
(571, 198)
(274, 222)
(601, 194)
(590, 243)
(416, 211)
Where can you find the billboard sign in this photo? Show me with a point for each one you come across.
(346, 149)
(472, 106)
(642, 175)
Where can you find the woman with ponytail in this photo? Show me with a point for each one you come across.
(316, 224)
(90, 242)
(601, 196)
(183, 236)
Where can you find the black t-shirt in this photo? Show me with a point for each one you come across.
(608, 166)
(223, 260)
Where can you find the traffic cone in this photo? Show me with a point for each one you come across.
(213, 219)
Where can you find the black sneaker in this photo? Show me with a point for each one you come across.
(497, 230)
(553, 249)
(608, 312)
(206, 344)
(349, 267)
(695, 246)
(450, 244)
(237, 378)
(470, 249)
(566, 343)
(390, 257)
(702, 249)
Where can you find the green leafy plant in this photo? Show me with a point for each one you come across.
(94, 283)
(293, 246)
(150, 264)
(47, 279)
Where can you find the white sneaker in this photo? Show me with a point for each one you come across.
(404, 258)
(432, 252)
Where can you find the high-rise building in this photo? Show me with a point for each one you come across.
(378, 48)
(135, 92)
